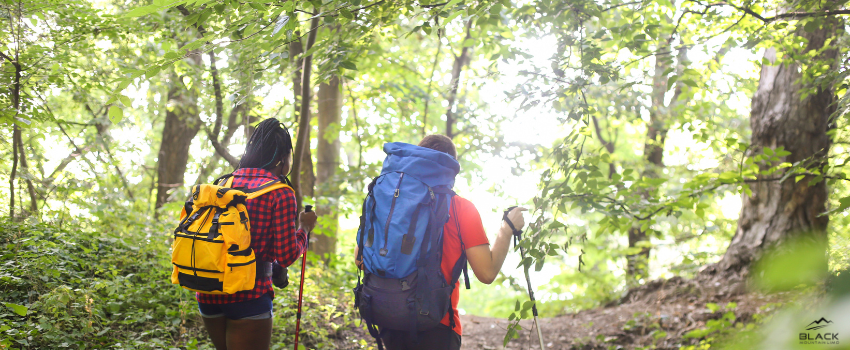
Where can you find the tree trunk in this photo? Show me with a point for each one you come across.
(307, 176)
(327, 163)
(457, 68)
(16, 135)
(778, 212)
(303, 139)
(653, 153)
(182, 123)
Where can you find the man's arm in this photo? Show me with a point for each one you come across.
(486, 261)
(357, 262)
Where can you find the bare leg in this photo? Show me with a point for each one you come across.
(249, 334)
(216, 328)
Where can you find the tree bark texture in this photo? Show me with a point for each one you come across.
(781, 211)
(303, 139)
(457, 69)
(327, 163)
(182, 122)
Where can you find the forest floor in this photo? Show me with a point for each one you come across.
(656, 315)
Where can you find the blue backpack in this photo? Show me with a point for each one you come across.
(401, 239)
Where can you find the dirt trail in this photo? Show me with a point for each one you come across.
(658, 313)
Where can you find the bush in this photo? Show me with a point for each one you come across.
(76, 288)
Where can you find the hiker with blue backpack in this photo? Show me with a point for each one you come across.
(415, 238)
(235, 238)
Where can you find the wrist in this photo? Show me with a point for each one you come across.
(504, 230)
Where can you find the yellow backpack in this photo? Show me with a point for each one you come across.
(212, 251)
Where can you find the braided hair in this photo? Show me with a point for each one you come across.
(269, 143)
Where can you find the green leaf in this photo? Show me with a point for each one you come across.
(22, 310)
(811, 26)
(141, 11)
(468, 42)
(125, 100)
(348, 65)
(258, 6)
(671, 81)
(452, 16)
(844, 202)
(517, 307)
(451, 4)
(345, 13)
(146, 10)
(115, 114)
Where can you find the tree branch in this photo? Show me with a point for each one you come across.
(460, 62)
(621, 5)
(100, 136)
(7, 58)
(356, 127)
(787, 15)
(430, 83)
(219, 100)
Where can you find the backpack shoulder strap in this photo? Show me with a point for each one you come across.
(259, 191)
(266, 188)
(229, 177)
(461, 262)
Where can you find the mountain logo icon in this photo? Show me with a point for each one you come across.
(815, 325)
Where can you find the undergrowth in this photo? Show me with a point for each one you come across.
(82, 288)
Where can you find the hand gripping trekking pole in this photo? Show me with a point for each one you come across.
(307, 208)
(517, 238)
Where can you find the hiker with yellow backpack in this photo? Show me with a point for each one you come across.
(236, 236)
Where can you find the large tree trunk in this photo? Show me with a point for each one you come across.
(182, 123)
(781, 211)
(327, 163)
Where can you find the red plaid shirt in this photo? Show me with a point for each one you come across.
(273, 234)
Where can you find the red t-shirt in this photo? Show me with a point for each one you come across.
(464, 215)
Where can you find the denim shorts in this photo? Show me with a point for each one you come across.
(255, 309)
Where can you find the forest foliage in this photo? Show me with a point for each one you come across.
(625, 126)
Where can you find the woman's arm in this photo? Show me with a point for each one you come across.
(486, 261)
(289, 243)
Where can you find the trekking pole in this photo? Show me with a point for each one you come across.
(517, 238)
(307, 208)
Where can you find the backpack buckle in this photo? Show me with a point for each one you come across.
(396, 193)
